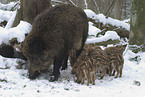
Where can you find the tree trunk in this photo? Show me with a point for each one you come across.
(93, 6)
(80, 3)
(29, 9)
(137, 33)
(117, 9)
(125, 10)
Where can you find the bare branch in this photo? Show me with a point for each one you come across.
(71, 2)
(111, 6)
(86, 5)
(97, 6)
(18, 3)
(59, 2)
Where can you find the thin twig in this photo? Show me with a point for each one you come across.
(86, 5)
(97, 6)
(89, 1)
(60, 2)
(15, 6)
(111, 6)
(71, 2)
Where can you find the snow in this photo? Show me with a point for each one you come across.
(93, 30)
(108, 35)
(11, 20)
(14, 82)
(8, 6)
(15, 32)
(102, 18)
(5, 15)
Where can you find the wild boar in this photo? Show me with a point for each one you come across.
(55, 33)
(115, 57)
(91, 60)
(84, 66)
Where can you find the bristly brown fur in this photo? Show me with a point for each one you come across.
(55, 32)
(115, 56)
(91, 60)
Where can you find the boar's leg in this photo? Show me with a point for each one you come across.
(56, 72)
(78, 52)
(57, 64)
(64, 64)
(72, 57)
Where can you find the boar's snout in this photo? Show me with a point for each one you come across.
(33, 75)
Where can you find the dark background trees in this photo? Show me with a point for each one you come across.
(29, 9)
(137, 33)
(119, 9)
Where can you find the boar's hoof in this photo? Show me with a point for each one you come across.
(54, 78)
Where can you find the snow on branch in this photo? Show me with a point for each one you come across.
(6, 15)
(15, 32)
(107, 20)
(57, 1)
(109, 35)
(11, 6)
(71, 2)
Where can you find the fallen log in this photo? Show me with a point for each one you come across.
(105, 43)
(6, 51)
(122, 32)
(10, 50)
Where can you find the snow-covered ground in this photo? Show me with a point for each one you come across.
(14, 82)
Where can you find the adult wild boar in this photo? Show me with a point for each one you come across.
(55, 33)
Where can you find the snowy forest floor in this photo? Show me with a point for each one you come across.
(15, 82)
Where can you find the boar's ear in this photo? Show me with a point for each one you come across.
(37, 45)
